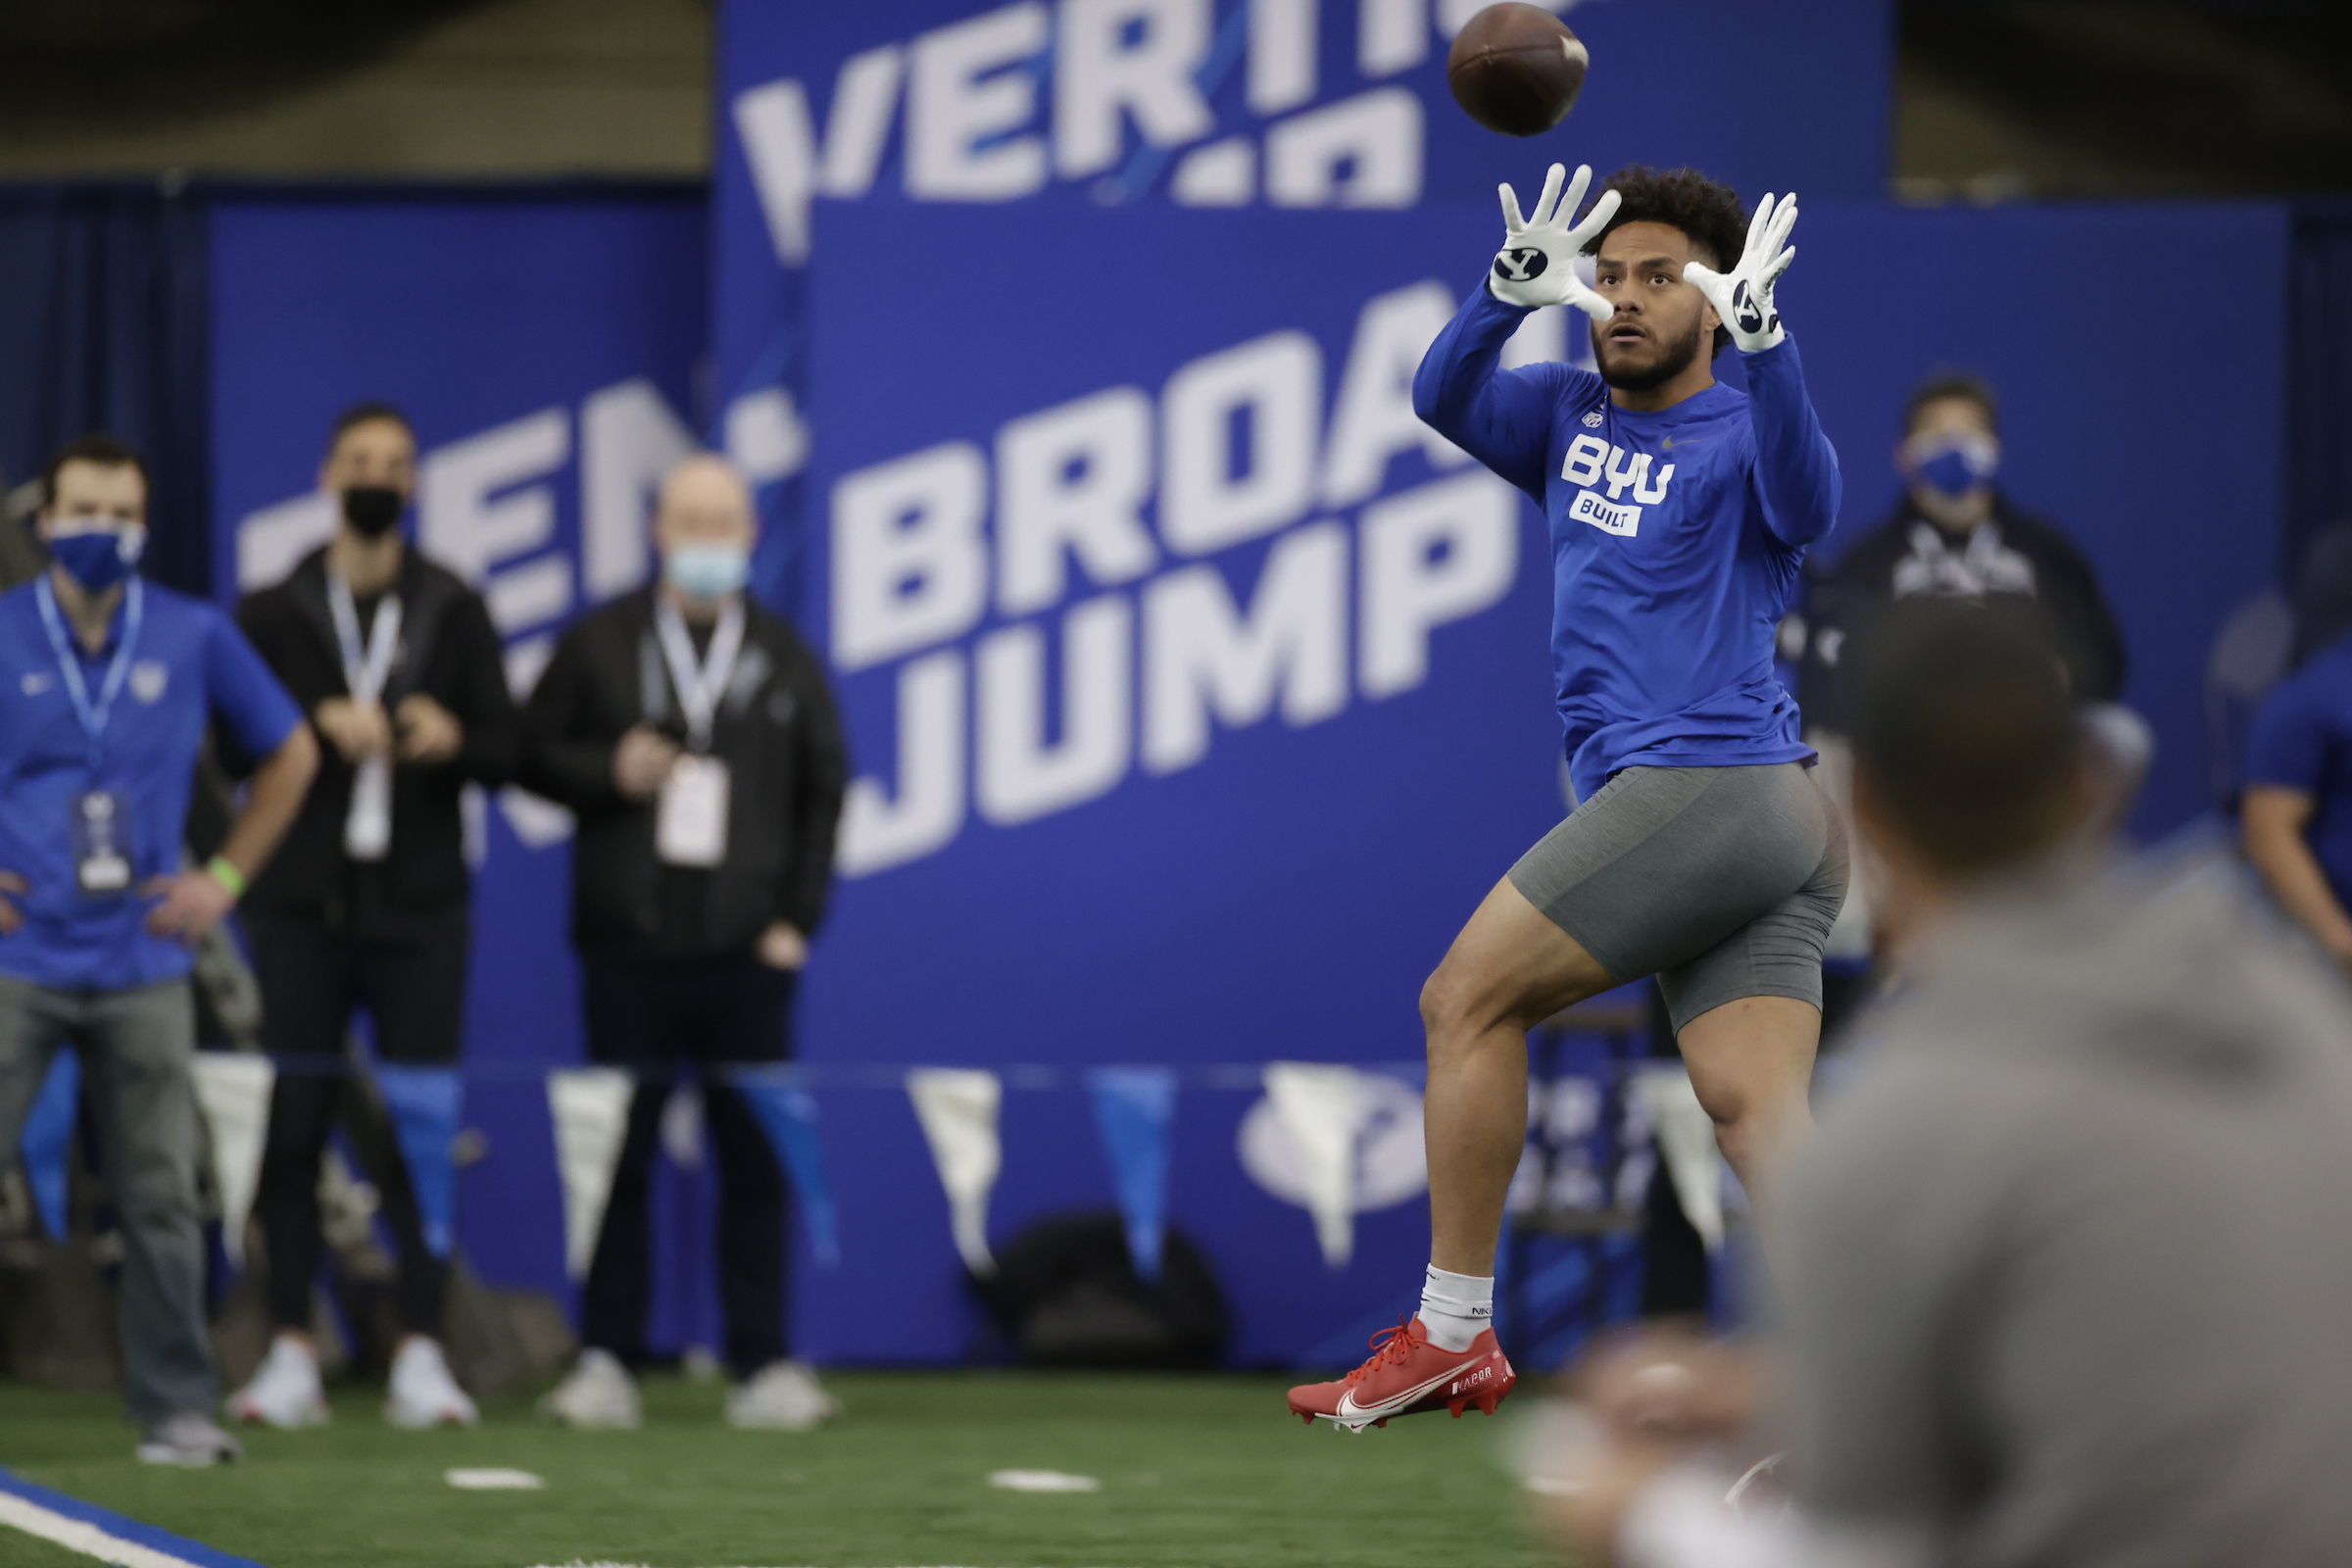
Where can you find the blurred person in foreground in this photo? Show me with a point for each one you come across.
(2062, 1270)
(111, 682)
(367, 904)
(693, 735)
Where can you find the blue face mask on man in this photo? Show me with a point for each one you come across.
(706, 570)
(98, 557)
(1957, 465)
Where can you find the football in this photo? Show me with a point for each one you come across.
(1516, 68)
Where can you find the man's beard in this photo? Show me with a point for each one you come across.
(1673, 360)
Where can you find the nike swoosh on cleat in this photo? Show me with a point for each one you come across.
(1389, 1407)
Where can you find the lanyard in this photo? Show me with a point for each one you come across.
(699, 688)
(69, 663)
(364, 673)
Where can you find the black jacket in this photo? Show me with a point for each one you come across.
(2011, 554)
(448, 650)
(777, 732)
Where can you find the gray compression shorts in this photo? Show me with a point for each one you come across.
(1721, 881)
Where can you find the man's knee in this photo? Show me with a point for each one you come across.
(1456, 1003)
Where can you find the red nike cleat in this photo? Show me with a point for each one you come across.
(1407, 1375)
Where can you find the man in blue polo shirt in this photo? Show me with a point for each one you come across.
(2297, 806)
(107, 686)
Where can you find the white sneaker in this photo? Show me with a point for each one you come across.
(599, 1393)
(421, 1393)
(284, 1392)
(781, 1397)
(189, 1439)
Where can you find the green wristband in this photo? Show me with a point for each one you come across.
(228, 876)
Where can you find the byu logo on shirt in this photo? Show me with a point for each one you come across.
(1593, 461)
(148, 678)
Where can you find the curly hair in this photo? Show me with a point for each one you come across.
(1709, 215)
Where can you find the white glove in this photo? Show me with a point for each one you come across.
(1537, 265)
(1743, 297)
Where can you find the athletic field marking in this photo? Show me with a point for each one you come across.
(1042, 1481)
(95, 1532)
(493, 1480)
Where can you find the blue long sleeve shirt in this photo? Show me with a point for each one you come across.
(1677, 540)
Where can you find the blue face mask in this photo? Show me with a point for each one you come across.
(708, 571)
(1958, 465)
(99, 557)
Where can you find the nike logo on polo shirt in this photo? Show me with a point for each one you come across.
(1670, 443)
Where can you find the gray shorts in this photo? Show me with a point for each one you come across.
(1721, 881)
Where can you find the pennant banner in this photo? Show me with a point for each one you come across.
(233, 1090)
(1322, 1107)
(787, 1114)
(1135, 1107)
(426, 1103)
(957, 1108)
(47, 1137)
(590, 1110)
(1686, 1138)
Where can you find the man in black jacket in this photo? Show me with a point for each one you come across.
(693, 734)
(1955, 535)
(397, 664)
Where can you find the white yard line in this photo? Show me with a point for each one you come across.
(76, 1535)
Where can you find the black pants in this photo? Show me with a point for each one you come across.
(664, 1019)
(312, 978)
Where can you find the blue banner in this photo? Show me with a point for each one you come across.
(46, 1144)
(1134, 1107)
(425, 1104)
(788, 1115)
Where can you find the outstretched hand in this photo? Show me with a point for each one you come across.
(1742, 297)
(1537, 265)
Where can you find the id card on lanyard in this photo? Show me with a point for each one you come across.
(368, 827)
(690, 824)
(99, 824)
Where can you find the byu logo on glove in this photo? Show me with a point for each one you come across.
(1742, 296)
(1537, 265)
(1744, 302)
(1520, 264)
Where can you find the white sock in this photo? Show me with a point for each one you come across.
(1456, 1309)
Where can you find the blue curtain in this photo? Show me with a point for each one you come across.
(2320, 378)
(102, 307)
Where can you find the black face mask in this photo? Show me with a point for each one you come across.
(371, 510)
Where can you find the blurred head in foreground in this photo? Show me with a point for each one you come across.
(704, 527)
(1968, 761)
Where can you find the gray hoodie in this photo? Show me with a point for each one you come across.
(2067, 1272)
